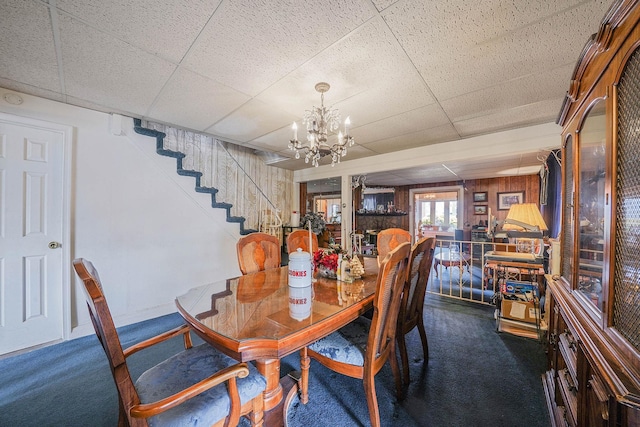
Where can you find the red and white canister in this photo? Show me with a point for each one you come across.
(300, 271)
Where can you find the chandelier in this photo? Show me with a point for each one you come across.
(320, 122)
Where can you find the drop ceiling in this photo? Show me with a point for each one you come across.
(409, 73)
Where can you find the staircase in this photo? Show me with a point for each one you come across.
(219, 173)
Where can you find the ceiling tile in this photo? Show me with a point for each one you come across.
(485, 55)
(538, 112)
(128, 77)
(249, 45)
(163, 28)
(389, 98)
(27, 49)
(406, 123)
(511, 94)
(416, 139)
(208, 101)
(250, 121)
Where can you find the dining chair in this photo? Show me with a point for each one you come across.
(412, 303)
(361, 348)
(300, 239)
(258, 252)
(389, 239)
(198, 386)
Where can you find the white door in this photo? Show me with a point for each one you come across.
(31, 229)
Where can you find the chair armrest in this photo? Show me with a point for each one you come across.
(145, 410)
(180, 330)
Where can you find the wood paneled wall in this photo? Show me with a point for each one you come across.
(530, 184)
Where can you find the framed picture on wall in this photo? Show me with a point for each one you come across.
(505, 200)
(480, 209)
(480, 196)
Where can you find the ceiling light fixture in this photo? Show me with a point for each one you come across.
(320, 122)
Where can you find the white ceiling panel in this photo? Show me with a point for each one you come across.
(99, 67)
(250, 45)
(415, 139)
(208, 101)
(409, 122)
(537, 112)
(164, 28)
(250, 121)
(27, 47)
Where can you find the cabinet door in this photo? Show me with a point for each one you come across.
(626, 291)
(596, 401)
(591, 204)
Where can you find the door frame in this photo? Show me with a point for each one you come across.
(449, 188)
(67, 133)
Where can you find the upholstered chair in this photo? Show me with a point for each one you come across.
(389, 239)
(412, 305)
(361, 348)
(198, 386)
(258, 252)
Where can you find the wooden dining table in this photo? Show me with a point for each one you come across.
(258, 317)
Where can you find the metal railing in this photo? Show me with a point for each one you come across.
(458, 271)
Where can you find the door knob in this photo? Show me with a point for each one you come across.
(55, 245)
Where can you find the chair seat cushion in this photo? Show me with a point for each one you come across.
(347, 345)
(185, 369)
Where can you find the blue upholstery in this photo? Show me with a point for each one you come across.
(185, 369)
(347, 345)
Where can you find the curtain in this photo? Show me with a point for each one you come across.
(551, 192)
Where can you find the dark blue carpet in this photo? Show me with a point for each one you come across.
(475, 377)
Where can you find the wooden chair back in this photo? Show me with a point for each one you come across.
(389, 239)
(386, 305)
(258, 252)
(420, 263)
(300, 239)
(380, 336)
(108, 337)
(412, 303)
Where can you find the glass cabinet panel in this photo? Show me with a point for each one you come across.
(626, 300)
(567, 213)
(591, 199)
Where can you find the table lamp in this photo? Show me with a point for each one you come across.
(523, 221)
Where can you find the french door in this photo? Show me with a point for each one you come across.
(435, 209)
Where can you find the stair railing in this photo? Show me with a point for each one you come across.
(225, 171)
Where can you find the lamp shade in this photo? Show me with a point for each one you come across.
(526, 213)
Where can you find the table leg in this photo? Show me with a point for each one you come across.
(273, 394)
(279, 392)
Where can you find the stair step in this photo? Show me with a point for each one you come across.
(209, 190)
(159, 136)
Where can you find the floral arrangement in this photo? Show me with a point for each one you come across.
(328, 259)
(326, 263)
(317, 222)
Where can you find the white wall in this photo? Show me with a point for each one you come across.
(150, 236)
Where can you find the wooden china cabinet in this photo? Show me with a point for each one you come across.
(594, 305)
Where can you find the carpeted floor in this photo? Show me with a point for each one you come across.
(474, 377)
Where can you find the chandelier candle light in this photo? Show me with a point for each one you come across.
(320, 122)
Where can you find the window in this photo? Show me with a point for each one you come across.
(437, 209)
